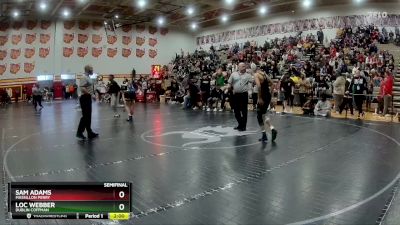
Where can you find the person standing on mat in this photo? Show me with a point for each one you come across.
(240, 83)
(85, 100)
(387, 92)
(130, 96)
(114, 90)
(144, 88)
(358, 88)
(37, 96)
(264, 87)
(347, 99)
(220, 83)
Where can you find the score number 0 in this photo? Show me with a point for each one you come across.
(121, 194)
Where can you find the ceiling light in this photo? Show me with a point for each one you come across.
(263, 10)
(141, 3)
(160, 21)
(193, 26)
(82, 1)
(358, 1)
(117, 16)
(190, 10)
(15, 13)
(229, 2)
(66, 12)
(224, 18)
(43, 6)
(105, 22)
(307, 3)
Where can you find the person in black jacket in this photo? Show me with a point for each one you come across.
(347, 99)
(174, 88)
(205, 88)
(320, 35)
(114, 91)
(193, 92)
(358, 88)
(287, 87)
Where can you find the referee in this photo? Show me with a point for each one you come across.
(85, 100)
(240, 83)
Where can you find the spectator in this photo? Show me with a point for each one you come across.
(254, 96)
(114, 91)
(323, 107)
(376, 80)
(75, 91)
(320, 35)
(347, 98)
(387, 92)
(304, 89)
(191, 98)
(124, 85)
(145, 86)
(287, 88)
(100, 89)
(358, 88)
(213, 100)
(205, 90)
(37, 96)
(338, 91)
(4, 97)
(220, 79)
(174, 88)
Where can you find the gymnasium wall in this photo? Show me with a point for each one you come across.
(31, 48)
(300, 15)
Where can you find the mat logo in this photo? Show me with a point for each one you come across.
(205, 135)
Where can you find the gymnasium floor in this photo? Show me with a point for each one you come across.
(191, 167)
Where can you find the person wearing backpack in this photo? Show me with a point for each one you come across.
(114, 90)
(130, 96)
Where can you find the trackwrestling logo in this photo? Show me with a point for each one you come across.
(205, 135)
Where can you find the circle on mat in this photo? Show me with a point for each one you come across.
(203, 137)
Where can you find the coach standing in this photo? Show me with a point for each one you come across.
(240, 83)
(87, 92)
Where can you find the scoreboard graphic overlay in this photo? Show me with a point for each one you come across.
(70, 200)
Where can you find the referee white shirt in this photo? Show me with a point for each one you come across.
(241, 81)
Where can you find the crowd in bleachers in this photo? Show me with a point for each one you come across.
(304, 67)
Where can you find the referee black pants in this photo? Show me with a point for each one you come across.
(86, 105)
(240, 107)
